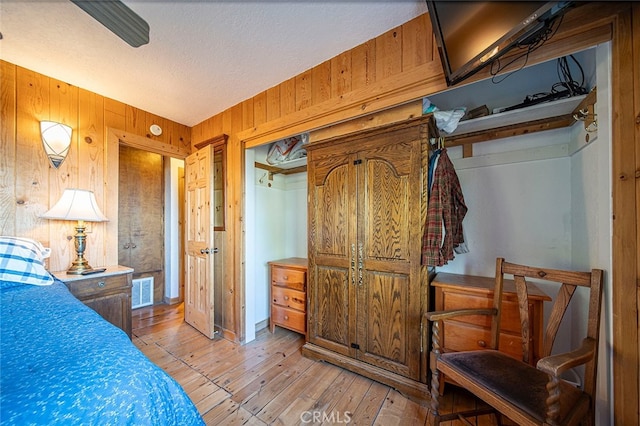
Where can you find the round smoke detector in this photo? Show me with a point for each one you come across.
(155, 130)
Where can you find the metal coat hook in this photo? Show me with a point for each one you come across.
(589, 118)
(585, 111)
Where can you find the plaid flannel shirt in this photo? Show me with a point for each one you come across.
(444, 215)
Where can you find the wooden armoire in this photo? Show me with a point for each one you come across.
(367, 290)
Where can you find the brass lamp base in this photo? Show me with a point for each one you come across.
(80, 265)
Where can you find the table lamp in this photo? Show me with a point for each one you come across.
(80, 205)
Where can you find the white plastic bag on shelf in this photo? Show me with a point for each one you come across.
(288, 149)
(447, 121)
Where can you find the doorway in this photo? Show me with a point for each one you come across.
(141, 216)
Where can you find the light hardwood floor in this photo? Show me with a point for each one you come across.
(268, 381)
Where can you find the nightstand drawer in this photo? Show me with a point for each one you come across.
(510, 320)
(463, 337)
(288, 298)
(100, 285)
(289, 278)
(453, 291)
(288, 318)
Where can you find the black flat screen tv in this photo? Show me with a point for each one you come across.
(473, 34)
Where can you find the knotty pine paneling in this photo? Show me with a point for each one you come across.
(340, 74)
(29, 186)
(321, 82)
(363, 65)
(389, 54)
(417, 42)
(273, 103)
(304, 91)
(63, 108)
(114, 114)
(259, 108)
(32, 166)
(91, 155)
(7, 148)
(287, 100)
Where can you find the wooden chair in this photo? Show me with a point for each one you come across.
(525, 394)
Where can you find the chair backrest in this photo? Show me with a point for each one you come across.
(569, 281)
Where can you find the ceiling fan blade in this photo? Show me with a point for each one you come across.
(118, 18)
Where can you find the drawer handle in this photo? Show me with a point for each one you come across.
(286, 278)
(286, 298)
(286, 317)
(100, 284)
(482, 343)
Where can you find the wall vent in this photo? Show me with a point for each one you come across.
(142, 292)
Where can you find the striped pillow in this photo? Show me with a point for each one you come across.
(22, 262)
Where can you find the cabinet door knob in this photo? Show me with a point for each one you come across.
(482, 343)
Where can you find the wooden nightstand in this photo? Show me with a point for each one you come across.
(454, 291)
(289, 294)
(108, 293)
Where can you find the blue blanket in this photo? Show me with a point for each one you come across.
(61, 363)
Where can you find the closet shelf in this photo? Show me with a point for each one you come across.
(286, 168)
(536, 118)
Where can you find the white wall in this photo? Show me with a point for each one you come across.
(250, 212)
(592, 225)
(172, 254)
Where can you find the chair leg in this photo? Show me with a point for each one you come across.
(435, 393)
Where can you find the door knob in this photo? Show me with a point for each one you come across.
(204, 251)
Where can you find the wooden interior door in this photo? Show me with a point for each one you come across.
(332, 251)
(141, 215)
(388, 326)
(199, 226)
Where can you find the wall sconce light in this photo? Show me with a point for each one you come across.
(80, 205)
(56, 139)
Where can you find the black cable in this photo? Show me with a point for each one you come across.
(566, 79)
(530, 44)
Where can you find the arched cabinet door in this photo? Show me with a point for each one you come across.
(365, 230)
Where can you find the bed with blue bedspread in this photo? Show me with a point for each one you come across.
(62, 363)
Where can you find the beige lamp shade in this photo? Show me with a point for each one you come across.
(80, 205)
(56, 140)
(76, 204)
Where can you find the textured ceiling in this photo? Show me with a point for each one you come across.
(203, 57)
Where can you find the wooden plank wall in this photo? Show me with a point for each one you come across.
(29, 186)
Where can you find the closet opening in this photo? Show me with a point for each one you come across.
(275, 219)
